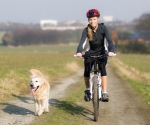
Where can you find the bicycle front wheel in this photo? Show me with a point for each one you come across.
(95, 98)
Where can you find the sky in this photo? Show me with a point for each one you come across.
(32, 11)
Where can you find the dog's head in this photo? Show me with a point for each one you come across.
(35, 83)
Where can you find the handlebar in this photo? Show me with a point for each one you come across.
(96, 56)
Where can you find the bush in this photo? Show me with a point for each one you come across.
(26, 37)
(134, 47)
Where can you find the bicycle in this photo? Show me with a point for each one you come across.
(95, 83)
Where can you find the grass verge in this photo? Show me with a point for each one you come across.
(135, 72)
(141, 88)
(16, 63)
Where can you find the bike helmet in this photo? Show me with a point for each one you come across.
(93, 13)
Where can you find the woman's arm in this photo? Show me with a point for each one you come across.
(82, 41)
(109, 40)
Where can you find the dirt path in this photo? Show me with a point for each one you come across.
(124, 107)
(21, 110)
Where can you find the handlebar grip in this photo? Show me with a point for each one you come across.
(76, 56)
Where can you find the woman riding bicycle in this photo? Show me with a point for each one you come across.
(96, 33)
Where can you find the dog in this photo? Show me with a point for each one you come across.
(40, 89)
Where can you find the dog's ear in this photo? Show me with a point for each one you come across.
(31, 73)
(45, 82)
(35, 72)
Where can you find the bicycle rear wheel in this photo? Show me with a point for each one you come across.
(95, 98)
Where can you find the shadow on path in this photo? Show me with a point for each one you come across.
(24, 99)
(16, 110)
(72, 108)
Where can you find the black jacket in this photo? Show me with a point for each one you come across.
(97, 44)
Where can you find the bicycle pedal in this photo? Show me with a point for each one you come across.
(100, 99)
(105, 100)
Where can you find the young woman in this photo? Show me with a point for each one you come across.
(96, 33)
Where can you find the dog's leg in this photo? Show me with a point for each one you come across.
(36, 108)
(47, 106)
(47, 101)
(42, 107)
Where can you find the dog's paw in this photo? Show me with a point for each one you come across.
(40, 112)
(46, 110)
(36, 114)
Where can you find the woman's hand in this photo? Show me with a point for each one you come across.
(110, 54)
(79, 55)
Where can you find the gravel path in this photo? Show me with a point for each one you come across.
(21, 110)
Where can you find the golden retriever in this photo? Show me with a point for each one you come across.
(40, 89)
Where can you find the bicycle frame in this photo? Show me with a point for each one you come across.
(95, 87)
(99, 86)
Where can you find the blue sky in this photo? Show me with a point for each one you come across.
(32, 11)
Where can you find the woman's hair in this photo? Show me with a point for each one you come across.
(90, 34)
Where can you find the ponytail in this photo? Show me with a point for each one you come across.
(90, 34)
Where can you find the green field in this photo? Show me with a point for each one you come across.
(140, 62)
(135, 69)
(15, 63)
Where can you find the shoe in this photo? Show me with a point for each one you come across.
(87, 95)
(105, 97)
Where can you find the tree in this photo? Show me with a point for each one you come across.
(143, 23)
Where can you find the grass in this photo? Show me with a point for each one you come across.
(52, 61)
(139, 62)
(41, 48)
(141, 80)
(141, 88)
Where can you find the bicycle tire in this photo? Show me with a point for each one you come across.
(95, 98)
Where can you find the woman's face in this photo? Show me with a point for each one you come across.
(93, 21)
